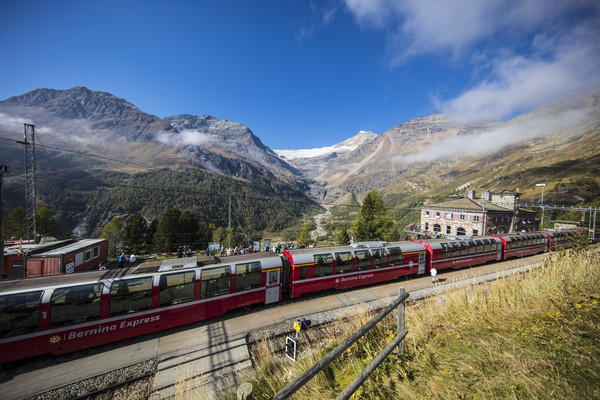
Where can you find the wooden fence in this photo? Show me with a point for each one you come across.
(320, 365)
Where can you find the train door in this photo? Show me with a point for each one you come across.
(273, 291)
(422, 256)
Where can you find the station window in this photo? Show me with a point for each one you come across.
(448, 229)
(449, 215)
(475, 218)
(395, 256)
(74, 305)
(323, 265)
(379, 258)
(176, 288)
(426, 226)
(88, 255)
(215, 281)
(462, 217)
(363, 260)
(344, 262)
(475, 232)
(247, 276)
(20, 313)
(426, 213)
(130, 295)
(96, 251)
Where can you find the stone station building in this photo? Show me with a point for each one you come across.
(493, 213)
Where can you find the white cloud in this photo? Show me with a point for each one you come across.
(523, 53)
(184, 138)
(497, 139)
(11, 123)
(518, 84)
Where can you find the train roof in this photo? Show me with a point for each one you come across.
(268, 260)
(305, 255)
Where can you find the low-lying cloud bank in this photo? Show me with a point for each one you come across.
(496, 139)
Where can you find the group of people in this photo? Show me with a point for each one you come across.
(123, 258)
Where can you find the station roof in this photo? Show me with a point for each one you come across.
(70, 248)
(467, 204)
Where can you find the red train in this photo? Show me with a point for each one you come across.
(65, 313)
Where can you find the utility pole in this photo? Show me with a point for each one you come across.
(229, 226)
(30, 209)
(3, 169)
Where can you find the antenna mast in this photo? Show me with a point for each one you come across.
(29, 143)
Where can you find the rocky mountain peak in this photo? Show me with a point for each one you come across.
(100, 110)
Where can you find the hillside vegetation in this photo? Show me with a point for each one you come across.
(529, 336)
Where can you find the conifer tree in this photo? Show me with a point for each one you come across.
(373, 222)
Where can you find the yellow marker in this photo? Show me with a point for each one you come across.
(297, 326)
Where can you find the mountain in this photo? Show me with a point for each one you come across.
(147, 164)
(98, 110)
(132, 148)
(432, 155)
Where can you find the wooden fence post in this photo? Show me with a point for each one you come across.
(401, 308)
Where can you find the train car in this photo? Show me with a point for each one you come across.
(521, 245)
(462, 251)
(61, 314)
(562, 238)
(342, 267)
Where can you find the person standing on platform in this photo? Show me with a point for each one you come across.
(433, 274)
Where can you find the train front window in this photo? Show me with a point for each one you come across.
(323, 265)
(215, 281)
(363, 260)
(379, 258)
(74, 305)
(20, 313)
(344, 262)
(395, 256)
(130, 295)
(176, 288)
(247, 276)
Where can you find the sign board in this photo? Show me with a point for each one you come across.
(256, 246)
(267, 244)
(214, 245)
(70, 268)
(297, 326)
(211, 226)
(290, 348)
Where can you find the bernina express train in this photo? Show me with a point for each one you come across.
(65, 313)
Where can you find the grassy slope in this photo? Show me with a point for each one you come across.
(533, 336)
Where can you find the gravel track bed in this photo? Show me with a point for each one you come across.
(85, 389)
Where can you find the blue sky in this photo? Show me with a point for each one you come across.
(304, 74)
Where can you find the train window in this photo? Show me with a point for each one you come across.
(20, 313)
(486, 246)
(379, 258)
(363, 260)
(343, 262)
(247, 276)
(130, 295)
(323, 265)
(303, 271)
(395, 256)
(472, 247)
(176, 288)
(446, 250)
(455, 249)
(479, 243)
(464, 248)
(74, 305)
(215, 281)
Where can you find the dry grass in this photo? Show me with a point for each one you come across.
(529, 336)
